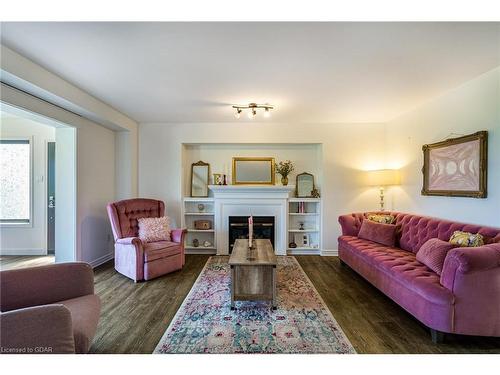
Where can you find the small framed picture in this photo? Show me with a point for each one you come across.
(302, 239)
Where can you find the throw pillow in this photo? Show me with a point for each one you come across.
(433, 253)
(380, 218)
(152, 229)
(384, 234)
(466, 239)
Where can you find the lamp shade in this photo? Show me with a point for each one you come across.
(383, 177)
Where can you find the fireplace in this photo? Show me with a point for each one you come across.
(263, 227)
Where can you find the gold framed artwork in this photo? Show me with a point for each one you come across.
(456, 167)
(253, 171)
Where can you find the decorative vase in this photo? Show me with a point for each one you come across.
(284, 180)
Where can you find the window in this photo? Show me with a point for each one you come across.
(15, 181)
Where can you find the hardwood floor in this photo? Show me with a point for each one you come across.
(135, 316)
(10, 262)
(373, 322)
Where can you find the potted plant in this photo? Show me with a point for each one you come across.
(284, 168)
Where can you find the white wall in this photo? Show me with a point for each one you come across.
(96, 188)
(32, 240)
(467, 109)
(346, 150)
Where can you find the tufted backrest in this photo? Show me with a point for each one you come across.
(124, 215)
(416, 230)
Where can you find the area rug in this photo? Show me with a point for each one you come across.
(205, 323)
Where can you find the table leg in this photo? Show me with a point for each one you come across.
(232, 288)
(274, 288)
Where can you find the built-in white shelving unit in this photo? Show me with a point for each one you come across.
(310, 218)
(199, 209)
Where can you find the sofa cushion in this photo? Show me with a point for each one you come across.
(433, 253)
(400, 265)
(466, 239)
(160, 249)
(84, 317)
(384, 234)
(379, 218)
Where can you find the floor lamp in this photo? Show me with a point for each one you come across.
(383, 178)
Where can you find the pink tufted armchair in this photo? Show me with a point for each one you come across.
(134, 258)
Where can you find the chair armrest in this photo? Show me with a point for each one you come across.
(469, 260)
(37, 330)
(129, 241)
(178, 235)
(44, 285)
(129, 257)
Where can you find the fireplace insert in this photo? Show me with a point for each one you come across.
(263, 227)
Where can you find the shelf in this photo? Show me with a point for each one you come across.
(303, 214)
(199, 247)
(201, 230)
(303, 230)
(195, 199)
(302, 248)
(199, 214)
(312, 200)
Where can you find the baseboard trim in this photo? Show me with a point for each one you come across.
(101, 260)
(330, 253)
(200, 251)
(21, 252)
(304, 252)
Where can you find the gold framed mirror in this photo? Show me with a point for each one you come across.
(200, 172)
(304, 185)
(253, 171)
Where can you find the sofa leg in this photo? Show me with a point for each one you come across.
(437, 336)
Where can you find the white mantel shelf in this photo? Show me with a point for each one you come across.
(252, 188)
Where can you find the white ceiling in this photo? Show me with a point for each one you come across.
(311, 72)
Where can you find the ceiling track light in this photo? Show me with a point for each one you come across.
(253, 107)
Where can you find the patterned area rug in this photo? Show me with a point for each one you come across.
(301, 324)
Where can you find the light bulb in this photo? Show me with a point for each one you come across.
(252, 113)
(237, 114)
(267, 113)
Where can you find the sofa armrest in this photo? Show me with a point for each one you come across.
(351, 223)
(472, 275)
(44, 285)
(178, 235)
(37, 330)
(468, 260)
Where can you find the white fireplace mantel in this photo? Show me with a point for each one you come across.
(246, 200)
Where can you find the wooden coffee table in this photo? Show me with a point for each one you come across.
(253, 280)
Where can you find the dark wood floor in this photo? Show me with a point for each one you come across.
(135, 316)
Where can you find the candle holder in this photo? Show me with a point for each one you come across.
(251, 251)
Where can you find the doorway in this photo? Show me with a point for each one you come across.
(31, 179)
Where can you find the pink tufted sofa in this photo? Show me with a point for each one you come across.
(138, 260)
(465, 299)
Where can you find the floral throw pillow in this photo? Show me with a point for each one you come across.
(380, 218)
(152, 229)
(466, 239)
